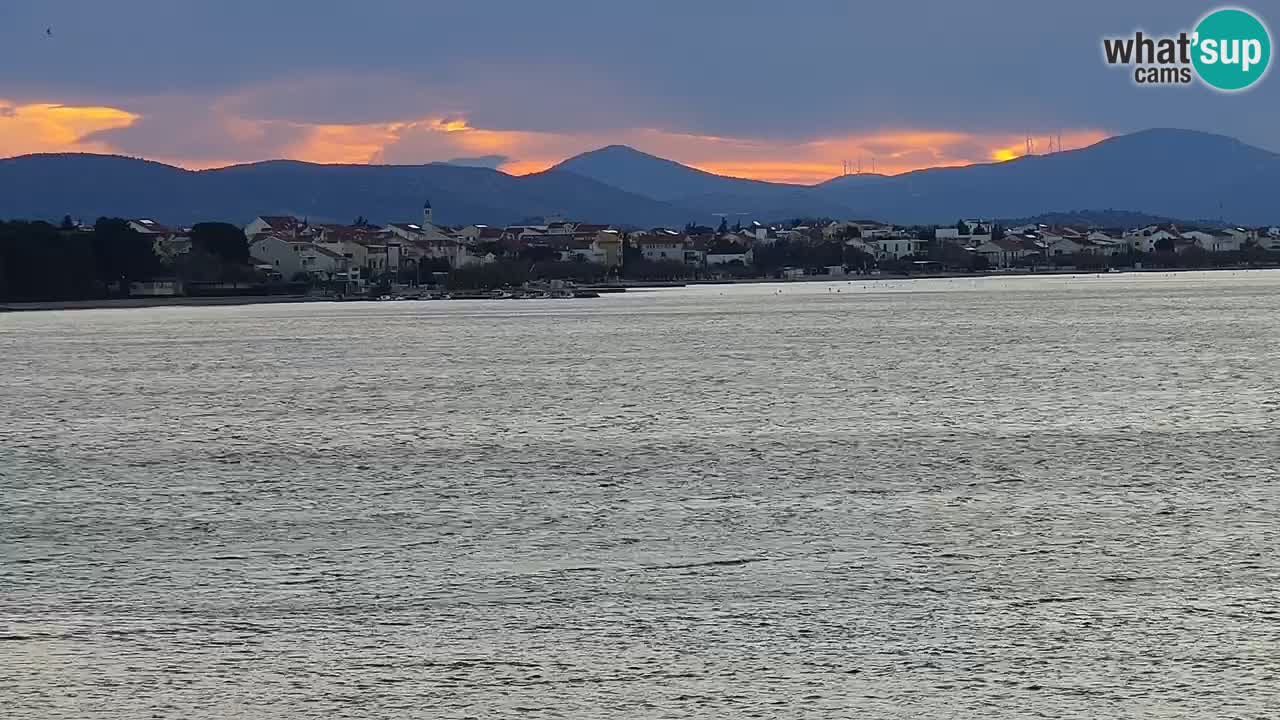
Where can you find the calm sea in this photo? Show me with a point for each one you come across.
(995, 498)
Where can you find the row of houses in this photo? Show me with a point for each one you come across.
(1025, 242)
(291, 246)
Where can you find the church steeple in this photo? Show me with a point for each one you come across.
(426, 214)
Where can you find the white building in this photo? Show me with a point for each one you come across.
(1005, 252)
(728, 255)
(1059, 245)
(975, 233)
(590, 244)
(760, 234)
(669, 246)
(1218, 240)
(862, 246)
(422, 240)
(280, 225)
(1144, 239)
(290, 257)
(1269, 242)
(898, 247)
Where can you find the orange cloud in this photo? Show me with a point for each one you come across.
(343, 144)
(803, 162)
(49, 127)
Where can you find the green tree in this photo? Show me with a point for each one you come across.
(222, 240)
(539, 253)
(40, 262)
(506, 273)
(860, 260)
(121, 254)
(660, 270)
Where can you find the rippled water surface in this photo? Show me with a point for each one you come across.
(1014, 498)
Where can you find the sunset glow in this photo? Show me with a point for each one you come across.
(49, 127)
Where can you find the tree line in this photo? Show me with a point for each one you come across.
(42, 261)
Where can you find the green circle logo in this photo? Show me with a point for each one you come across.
(1232, 49)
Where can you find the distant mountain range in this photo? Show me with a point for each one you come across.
(1159, 173)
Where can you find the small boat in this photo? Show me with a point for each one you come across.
(585, 294)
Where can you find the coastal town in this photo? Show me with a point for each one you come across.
(559, 257)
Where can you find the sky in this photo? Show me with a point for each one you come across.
(784, 91)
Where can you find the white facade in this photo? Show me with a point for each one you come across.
(662, 251)
(1269, 242)
(897, 248)
(290, 257)
(278, 253)
(320, 262)
(1058, 245)
(760, 234)
(355, 253)
(1002, 253)
(1219, 241)
(1141, 243)
(728, 258)
(1144, 240)
(967, 239)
